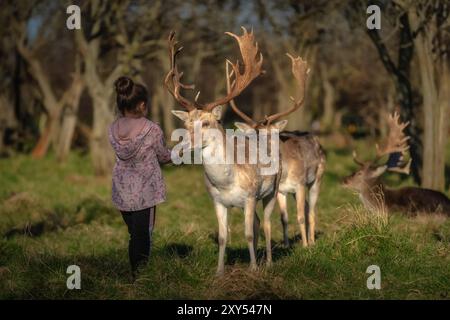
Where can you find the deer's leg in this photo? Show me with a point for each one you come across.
(268, 203)
(300, 199)
(282, 202)
(249, 212)
(221, 212)
(256, 225)
(313, 196)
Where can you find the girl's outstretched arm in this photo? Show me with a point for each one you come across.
(161, 150)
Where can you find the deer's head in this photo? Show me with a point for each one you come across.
(364, 178)
(207, 115)
(394, 147)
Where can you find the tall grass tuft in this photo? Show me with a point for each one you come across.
(376, 215)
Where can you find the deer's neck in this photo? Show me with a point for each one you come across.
(219, 174)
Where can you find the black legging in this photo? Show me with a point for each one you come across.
(140, 227)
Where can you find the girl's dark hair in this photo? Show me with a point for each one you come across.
(129, 95)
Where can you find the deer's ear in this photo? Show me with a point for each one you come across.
(217, 112)
(182, 115)
(378, 171)
(280, 125)
(242, 126)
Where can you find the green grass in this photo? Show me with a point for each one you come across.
(74, 222)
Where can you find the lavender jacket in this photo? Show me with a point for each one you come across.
(137, 181)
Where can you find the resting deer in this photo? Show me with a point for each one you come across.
(229, 185)
(376, 196)
(303, 159)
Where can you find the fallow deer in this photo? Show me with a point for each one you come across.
(376, 196)
(229, 185)
(303, 159)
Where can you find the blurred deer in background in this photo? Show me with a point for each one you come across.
(302, 157)
(230, 185)
(376, 196)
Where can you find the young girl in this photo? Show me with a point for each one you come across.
(137, 182)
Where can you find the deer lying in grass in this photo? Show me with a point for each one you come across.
(373, 193)
(303, 159)
(229, 185)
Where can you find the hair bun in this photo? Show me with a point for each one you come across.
(124, 86)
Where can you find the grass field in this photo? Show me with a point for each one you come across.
(69, 213)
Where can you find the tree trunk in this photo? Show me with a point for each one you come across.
(101, 151)
(69, 119)
(53, 106)
(69, 123)
(430, 110)
(434, 76)
(7, 118)
(443, 124)
(43, 144)
(101, 92)
(328, 101)
(50, 132)
(436, 111)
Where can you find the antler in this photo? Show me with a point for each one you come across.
(396, 140)
(252, 67)
(173, 77)
(233, 105)
(395, 145)
(300, 71)
(356, 160)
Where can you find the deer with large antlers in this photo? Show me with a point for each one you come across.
(376, 196)
(229, 184)
(302, 158)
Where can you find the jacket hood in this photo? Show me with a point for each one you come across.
(128, 135)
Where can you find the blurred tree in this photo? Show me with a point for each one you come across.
(9, 66)
(115, 39)
(430, 24)
(314, 30)
(21, 16)
(94, 41)
(128, 37)
(422, 28)
(69, 113)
